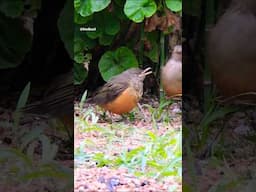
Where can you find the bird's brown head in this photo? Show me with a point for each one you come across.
(135, 74)
(136, 80)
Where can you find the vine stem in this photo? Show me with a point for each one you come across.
(142, 34)
(162, 52)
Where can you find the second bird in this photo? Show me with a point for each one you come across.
(171, 76)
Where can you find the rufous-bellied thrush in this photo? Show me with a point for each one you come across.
(122, 92)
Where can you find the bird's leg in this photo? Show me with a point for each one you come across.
(111, 117)
(142, 113)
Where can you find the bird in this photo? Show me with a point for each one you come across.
(171, 73)
(231, 51)
(122, 92)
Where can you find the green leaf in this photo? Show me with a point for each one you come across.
(107, 26)
(83, 100)
(216, 113)
(48, 170)
(81, 20)
(49, 150)
(21, 103)
(101, 159)
(30, 150)
(174, 5)
(15, 42)
(106, 39)
(111, 24)
(80, 73)
(23, 97)
(138, 10)
(152, 136)
(12, 8)
(78, 45)
(88, 7)
(66, 27)
(95, 34)
(89, 43)
(79, 58)
(17, 154)
(81, 41)
(115, 62)
(29, 137)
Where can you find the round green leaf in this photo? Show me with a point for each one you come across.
(106, 23)
(79, 57)
(94, 34)
(106, 26)
(94, 23)
(174, 5)
(89, 43)
(115, 62)
(81, 20)
(78, 44)
(112, 25)
(106, 39)
(138, 10)
(80, 73)
(88, 7)
(82, 41)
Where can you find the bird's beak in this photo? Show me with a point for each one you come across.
(146, 72)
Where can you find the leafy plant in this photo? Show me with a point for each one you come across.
(88, 7)
(160, 157)
(27, 167)
(114, 62)
(174, 5)
(160, 114)
(138, 10)
(21, 103)
(16, 30)
(107, 26)
(213, 114)
(24, 161)
(110, 21)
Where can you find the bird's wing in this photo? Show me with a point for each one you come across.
(109, 91)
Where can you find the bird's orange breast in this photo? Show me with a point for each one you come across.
(124, 103)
